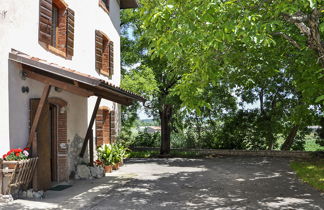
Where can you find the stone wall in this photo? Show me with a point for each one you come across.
(263, 153)
(74, 152)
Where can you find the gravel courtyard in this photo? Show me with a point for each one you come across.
(216, 183)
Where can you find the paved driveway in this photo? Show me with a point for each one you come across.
(218, 183)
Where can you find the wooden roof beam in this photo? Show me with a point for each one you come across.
(72, 88)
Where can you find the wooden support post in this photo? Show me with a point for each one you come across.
(91, 148)
(93, 117)
(35, 154)
(39, 111)
(1, 177)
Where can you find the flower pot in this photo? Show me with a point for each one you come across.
(108, 169)
(120, 164)
(10, 164)
(115, 166)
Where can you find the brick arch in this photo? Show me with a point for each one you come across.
(61, 138)
(57, 101)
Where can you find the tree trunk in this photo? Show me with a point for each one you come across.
(290, 138)
(271, 140)
(165, 116)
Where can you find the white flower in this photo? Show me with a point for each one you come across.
(25, 153)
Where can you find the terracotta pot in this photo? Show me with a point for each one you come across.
(10, 164)
(115, 166)
(108, 169)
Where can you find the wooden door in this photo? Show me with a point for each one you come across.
(43, 146)
(53, 120)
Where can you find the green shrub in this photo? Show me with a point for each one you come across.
(110, 154)
(145, 139)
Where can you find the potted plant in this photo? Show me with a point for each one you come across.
(120, 153)
(105, 155)
(14, 155)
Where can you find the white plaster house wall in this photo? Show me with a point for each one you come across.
(19, 22)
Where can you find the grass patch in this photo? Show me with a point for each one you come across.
(311, 172)
(310, 144)
(155, 154)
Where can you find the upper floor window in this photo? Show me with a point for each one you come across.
(104, 4)
(104, 54)
(56, 27)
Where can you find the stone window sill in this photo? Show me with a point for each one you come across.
(57, 51)
(105, 73)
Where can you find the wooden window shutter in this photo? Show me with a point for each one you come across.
(111, 58)
(69, 32)
(99, 50)
(45, 21)
(99, 127)
(113, 132)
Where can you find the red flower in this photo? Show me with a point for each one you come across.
(17, 154)
(27, 149)
(4, 156)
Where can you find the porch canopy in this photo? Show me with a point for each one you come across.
(71, 80)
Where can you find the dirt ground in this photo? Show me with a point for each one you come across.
(217, 183)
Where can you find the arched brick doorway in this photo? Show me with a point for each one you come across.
(51, 145)
(60, 137)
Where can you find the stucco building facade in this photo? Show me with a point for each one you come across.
(69, 46)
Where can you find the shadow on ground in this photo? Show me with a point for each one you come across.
(219, 183)
(216, 183)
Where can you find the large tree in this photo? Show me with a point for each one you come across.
(153, 78)
(250, 41)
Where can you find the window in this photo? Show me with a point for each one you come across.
(104, 4)
(56, 28)
(54, 25)
(103, 126)
(104, 54)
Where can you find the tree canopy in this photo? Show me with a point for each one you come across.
(212, 38)
(219, 62)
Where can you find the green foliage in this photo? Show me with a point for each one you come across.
(154, 154)
(214, 60)
(110, 154)
(311, 172)
(211, 39)
(143, 139)
(105, 154)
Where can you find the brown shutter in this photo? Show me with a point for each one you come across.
(99, 41)
(105, 58)
(45, 21)
(111, 58)
(113, 132)
(99, 127)
(69, 32)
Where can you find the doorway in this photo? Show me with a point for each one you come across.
(53, 131)
(46, 145)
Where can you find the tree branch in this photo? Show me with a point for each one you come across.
(289, 39)
(298, 17)
(299, 20)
